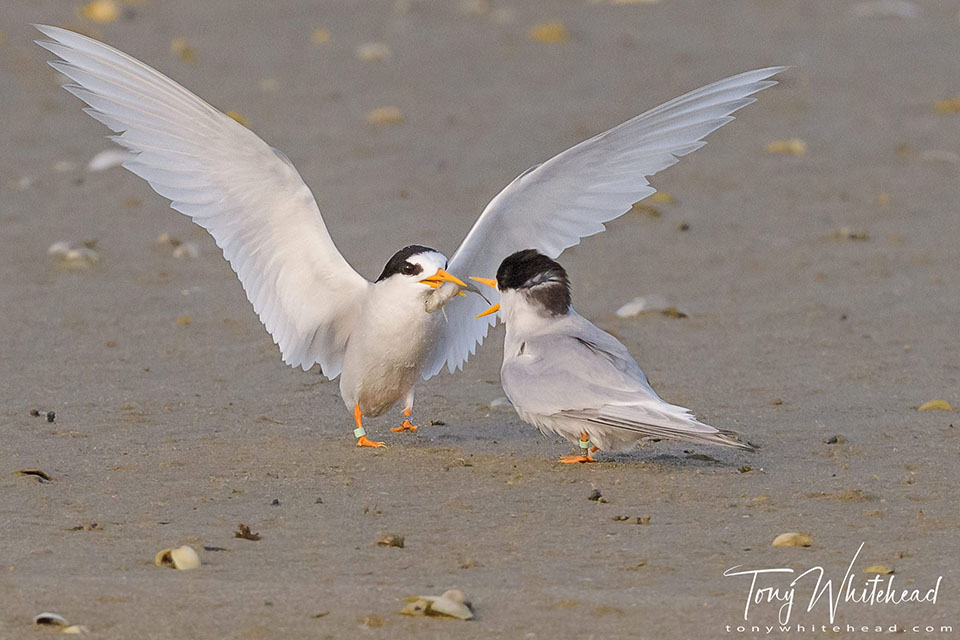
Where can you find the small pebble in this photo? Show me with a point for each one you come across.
(837, 439)
(51, 416)
(632, 519)
(275, 503)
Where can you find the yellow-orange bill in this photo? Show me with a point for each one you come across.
(492, 309)
(442, 276)
(490, 282)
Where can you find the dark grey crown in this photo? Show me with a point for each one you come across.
(543, 279)
(398, 263)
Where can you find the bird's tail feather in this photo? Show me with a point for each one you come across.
(687, 428)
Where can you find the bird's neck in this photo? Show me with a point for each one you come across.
(525, 319)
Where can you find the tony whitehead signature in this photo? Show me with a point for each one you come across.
(878, 590)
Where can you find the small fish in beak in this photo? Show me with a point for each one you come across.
(439, 298)
(441, 276)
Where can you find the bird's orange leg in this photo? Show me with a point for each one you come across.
(360, 433)
(406, 425)
(583, 457)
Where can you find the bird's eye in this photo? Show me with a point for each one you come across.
(409, 269)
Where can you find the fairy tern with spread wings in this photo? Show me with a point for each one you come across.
(379, 337)
(564, 375)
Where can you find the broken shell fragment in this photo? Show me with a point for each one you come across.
(73, 256)
(391, 540)
(451, 604)
(878, 568)
(935, 405)
(385, 115)
(101, 11)
(181, 47)
(792, 539)
(650, 303)
(76, 630)
(372, 52)
(51, 619)
(187, 250)
(182, 558)
(791, 147)
(549, 32)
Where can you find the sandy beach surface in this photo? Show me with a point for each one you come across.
(820, 288)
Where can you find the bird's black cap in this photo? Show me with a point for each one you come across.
(398, 263)
(542, 278)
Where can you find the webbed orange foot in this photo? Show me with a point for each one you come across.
(405, 426)
(363, 441)
(575, 459)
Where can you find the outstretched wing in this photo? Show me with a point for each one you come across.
(551, 206)
(245, 193)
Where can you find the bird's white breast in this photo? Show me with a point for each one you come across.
(387, 351)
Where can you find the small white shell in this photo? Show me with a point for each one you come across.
(52, 619)
(182, 558)
(73, 256)
(186, 250)
(444, 606)
(59, 249)
(372, 52)
(452, 603)
(76, 630)
(652, 302)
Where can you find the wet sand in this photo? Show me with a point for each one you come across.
(169, 433)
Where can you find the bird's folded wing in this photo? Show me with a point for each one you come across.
(553, 205)
(584, 379)
(246, 194)
(668, 421)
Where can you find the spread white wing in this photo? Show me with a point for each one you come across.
(245, 193)
(551, 206)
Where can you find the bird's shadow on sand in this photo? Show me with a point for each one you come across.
(676, 459)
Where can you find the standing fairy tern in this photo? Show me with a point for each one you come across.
(380, 337)
(566, 376)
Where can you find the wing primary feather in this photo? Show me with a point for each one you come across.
(552, 205)
(246, 194)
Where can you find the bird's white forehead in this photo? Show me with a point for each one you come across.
(429, 260)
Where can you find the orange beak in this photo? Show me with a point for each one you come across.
(490, 282)
(442, 276)
(492, 309)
